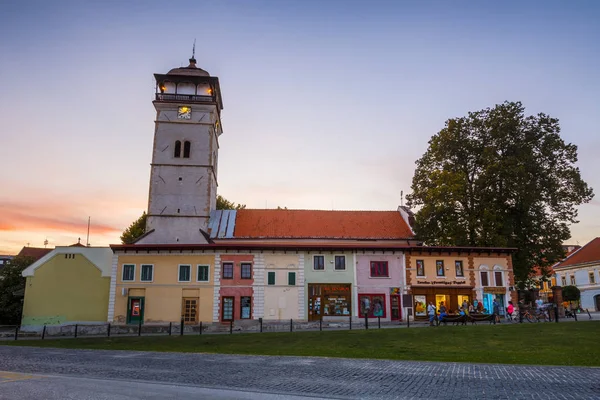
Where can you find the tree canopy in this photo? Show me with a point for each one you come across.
(500, 178)
(135, 230)
(224, 204)
(12, 287)
(571, 293)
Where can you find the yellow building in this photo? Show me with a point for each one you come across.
(68, 285)
(158, 287)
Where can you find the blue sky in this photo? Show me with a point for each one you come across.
(327, 104)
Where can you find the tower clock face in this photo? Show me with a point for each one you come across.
(184, 112)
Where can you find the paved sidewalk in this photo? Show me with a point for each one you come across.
(317, 377)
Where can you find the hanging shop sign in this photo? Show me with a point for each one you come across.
(394, 290)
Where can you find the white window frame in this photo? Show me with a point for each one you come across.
(592, 274)
(572, 280)
(123, 273)
(324, 263)
(563, 280)
(141, 272)
(334, 266)
(498, 268)
(198, 272)
(179, 272)
(484, 268)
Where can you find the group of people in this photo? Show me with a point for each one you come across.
(466, 308)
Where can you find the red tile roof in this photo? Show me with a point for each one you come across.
(588, 253)
(35, 252)
(320, 224)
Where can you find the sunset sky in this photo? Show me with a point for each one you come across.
(327, 104)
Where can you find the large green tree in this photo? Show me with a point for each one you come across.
(135, 230)
(497, 177)
(12, 288)
(224, 204)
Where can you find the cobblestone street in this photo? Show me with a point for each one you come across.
(303, 377)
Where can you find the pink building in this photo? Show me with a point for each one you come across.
(379, 283)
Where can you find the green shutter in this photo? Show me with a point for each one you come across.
(271, 277)
(291, 278)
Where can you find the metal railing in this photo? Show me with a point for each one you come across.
(184, 97)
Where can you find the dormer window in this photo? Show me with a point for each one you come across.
(177, 152)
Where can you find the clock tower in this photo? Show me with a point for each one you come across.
(183, 178)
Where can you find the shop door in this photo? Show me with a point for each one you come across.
(395, 307)
(135, 310)
(314, 308)
(189, 310)
(442, 298)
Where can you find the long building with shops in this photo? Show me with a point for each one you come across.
(198, 263)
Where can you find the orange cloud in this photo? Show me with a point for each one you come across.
(45, 217)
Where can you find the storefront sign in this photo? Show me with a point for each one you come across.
(441, 282)
(335, 289)
(494, 290)
(394, 290)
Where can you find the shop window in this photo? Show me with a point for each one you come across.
(340, 263)
(592, 277)
(458, 265)
(372, 304)
(186, 149)
(203, 273)
(572, 279)
(185, 273)
(246, 271)
(177, 151)
(228, 270)
(319, 263)
(147, 273)
(563, 280)
(498, 278)
(227, 304)
(439, 268)
(245, 307)
(379, 269)
(329, 300)
(420, 268)
(292, 278)
(484, 278)
(128, 272)
(271, 278)
(189, 313)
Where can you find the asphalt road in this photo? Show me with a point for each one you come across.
(41, 373)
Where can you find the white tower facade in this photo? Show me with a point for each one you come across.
(183, 178)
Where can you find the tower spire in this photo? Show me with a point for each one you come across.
(193, 59)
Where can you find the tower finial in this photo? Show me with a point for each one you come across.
(193, 59)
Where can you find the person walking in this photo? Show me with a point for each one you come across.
(496, 310)
(431, 312)
(510, 310)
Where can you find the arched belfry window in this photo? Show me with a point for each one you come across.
(186, 149)
(177, 152)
